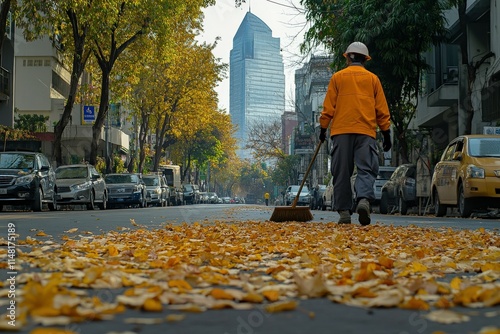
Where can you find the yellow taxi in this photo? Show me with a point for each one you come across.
(468, 175)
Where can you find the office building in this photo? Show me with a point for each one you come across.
(257, 78)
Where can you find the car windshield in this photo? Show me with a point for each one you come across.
(484, 147)
(122, 178)
(151, 181)
(71, 172)
(295, 189)
(17, 161)
(384, 174)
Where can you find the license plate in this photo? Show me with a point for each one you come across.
(3, 191)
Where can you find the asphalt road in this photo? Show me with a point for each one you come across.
(312, 316)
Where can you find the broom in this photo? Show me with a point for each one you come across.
(294, 212)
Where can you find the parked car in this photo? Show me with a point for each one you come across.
(316, 194)
(27, 178)
(327, 198)
(291, 193)
(400, 190)
(468, 175)
(384, 174)
(157, 188)
(179, 196)
(212, 198)
(191, 193)
(126, 189)
(81, 184)
(226, 200)
(202, 197)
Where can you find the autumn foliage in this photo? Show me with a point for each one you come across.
(217, 265)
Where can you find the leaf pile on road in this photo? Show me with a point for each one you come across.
(201, 266)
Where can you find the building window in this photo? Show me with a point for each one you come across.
(36, 62)
(60, 85)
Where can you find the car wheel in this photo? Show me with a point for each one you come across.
(91, 203)
(384, 205)
(465, 206)
(403, 208)
(37, 201)
(439, 209)
(53, 205)
(104, 204)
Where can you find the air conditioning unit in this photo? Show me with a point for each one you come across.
(451, 75)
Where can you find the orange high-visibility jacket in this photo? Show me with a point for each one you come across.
(355, 103)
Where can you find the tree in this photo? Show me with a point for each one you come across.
(5, 8)
(396, 52)
(265, 140)
(286, 170)
(31, 123)
(68, 23)
(122, 23)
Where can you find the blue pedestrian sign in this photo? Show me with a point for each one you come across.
(88, 114)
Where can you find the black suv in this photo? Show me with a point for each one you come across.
(191, 193)
(27, 178)
(126, 189)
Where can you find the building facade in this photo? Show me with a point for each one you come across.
(311, 84)
(40, 85)
(257, 78)
(443, 101)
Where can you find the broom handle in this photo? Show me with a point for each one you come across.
(305, 175)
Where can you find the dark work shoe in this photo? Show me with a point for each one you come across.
(345, 217)
(363, 210)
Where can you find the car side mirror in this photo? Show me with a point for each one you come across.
(457, 156)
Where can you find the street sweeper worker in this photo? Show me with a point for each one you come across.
(354, 106)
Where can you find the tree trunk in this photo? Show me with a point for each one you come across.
(79, 61)
(100, 119)
(471, 73)
(143, 133)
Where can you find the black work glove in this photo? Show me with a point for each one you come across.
(322, 135)
(387, 140)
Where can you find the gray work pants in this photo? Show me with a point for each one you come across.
(347, 151)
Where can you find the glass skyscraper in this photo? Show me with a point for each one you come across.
(256, 78)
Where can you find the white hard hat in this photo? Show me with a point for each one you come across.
(358, 47)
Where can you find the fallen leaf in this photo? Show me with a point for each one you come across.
(447, 317)
(281, 306)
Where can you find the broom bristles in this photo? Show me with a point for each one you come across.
(288, 214)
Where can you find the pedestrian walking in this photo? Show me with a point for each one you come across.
(266, 198)
(354, 106)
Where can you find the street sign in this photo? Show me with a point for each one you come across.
(88, 114)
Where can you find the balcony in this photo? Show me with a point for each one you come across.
(444, 96)
(4, 84)
(83, 133)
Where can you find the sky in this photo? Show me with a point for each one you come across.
(282, 16)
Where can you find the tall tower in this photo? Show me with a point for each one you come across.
(257, 78)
